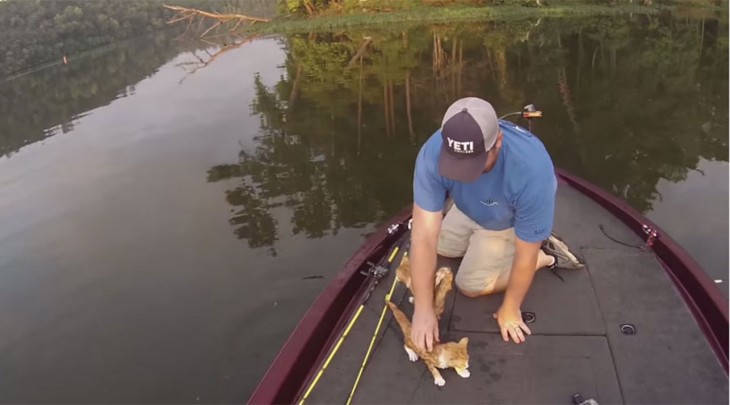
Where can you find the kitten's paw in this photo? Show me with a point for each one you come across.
(412, 355)
(410, 299)
(439, 381)
(463, 373)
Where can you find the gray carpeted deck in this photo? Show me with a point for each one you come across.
(576, 344)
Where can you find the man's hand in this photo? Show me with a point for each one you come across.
(509, 316)
(424, 236)
(511, 324)
(425, 328)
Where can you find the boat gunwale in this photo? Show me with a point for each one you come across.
(314, 334)
(700, 294)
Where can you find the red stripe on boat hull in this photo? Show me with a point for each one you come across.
(289, 371)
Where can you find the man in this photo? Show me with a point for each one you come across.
(503, 185)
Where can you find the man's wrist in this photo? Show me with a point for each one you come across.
(518, 285)
(510, 304)
(422, 305)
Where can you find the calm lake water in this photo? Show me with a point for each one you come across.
(163, 204)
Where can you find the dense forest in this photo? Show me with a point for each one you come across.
(35, 32)
(627, 101)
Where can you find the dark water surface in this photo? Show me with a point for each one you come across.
(162, 204)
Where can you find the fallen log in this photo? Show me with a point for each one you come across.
(190, 14)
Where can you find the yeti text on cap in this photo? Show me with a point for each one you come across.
(461, 147)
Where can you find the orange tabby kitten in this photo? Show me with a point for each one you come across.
(444, 355)
(443, 283)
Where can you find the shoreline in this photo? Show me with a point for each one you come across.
(458, 13)
(424, 15)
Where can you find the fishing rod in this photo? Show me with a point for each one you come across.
(377, 272)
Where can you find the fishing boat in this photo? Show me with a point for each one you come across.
(641, 323)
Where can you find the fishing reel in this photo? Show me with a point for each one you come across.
(529, 112)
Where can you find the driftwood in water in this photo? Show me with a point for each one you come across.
(190, 14)
(203, 63)
(360, 52)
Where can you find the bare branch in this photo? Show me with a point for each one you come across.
(218, 24)
(361, 52)
(186, 28)
(184, 13)
(204, 63)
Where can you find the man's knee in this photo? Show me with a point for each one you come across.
(453, 239)
(470, 289)
(472, 284)
(449, 254)
(470, 293)
(452, 244)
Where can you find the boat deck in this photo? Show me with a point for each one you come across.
(576, 343)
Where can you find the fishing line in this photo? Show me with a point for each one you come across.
(616, 240)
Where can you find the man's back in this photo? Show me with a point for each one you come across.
(518, 192)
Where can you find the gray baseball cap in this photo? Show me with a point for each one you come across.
(469, 129)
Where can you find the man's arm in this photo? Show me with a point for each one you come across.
(534, 213)
(509, 315)
(429, 194)
(424, 237)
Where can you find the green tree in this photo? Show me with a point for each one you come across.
(340, 130)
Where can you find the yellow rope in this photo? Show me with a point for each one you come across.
(344, 335)
(377, 329)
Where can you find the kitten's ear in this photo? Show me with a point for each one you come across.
(404, 260)
(464, 341)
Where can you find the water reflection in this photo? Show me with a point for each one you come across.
(627, 101)
(306, 159)
(48, 102)
(133, 201)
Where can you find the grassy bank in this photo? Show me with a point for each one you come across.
(439, 14)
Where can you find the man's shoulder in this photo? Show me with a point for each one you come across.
(529, 161)
(429, 189)
(433, 143)
(429, 153)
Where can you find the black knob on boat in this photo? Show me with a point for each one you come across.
(528, 317)
(578, 398)
(628, 329)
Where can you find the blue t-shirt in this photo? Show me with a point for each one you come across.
(519, 192)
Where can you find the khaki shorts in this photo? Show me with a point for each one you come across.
(487, 254)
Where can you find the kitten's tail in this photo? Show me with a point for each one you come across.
(445, 281)
(400, 317)
(442, 289)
